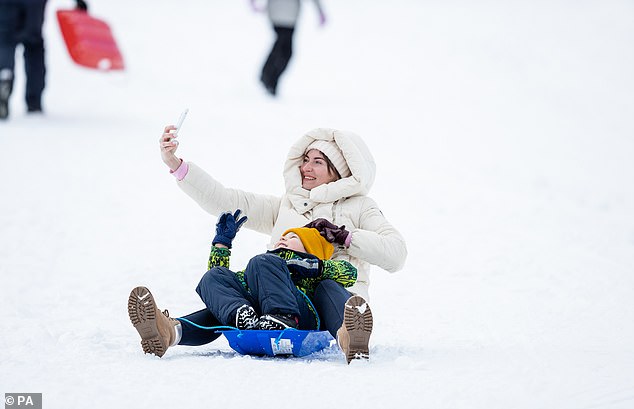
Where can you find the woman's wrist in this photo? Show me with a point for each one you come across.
(173, 163)
(348, 240)
(181, 171)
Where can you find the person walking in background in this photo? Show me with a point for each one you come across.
(283, 15)
(328, 174)
(21, 23)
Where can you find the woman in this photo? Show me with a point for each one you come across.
(327, 174)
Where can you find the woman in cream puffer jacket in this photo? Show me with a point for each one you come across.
(343, 202)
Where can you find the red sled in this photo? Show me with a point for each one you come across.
(89, 40)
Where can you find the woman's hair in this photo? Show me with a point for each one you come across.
(331, 167)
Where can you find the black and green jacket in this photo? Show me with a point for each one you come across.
(306, 270)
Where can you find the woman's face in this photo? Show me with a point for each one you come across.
(290, 241)
(315, 171)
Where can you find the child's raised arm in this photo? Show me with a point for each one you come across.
(226, 229)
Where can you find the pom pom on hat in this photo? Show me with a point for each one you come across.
(313, 242)
(334, 154)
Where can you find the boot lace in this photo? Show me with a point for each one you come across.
(167, 314)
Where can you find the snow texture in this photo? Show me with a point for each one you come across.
(504, 140)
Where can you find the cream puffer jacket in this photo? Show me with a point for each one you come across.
(343, 202)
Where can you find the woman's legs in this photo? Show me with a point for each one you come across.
(193, 335)
(347, 317)
(330, 300)
(221, 292)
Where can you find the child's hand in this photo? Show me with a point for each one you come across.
(227, 227)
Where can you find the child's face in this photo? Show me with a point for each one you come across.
(290, 241)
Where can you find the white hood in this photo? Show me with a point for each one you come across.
(357, 155)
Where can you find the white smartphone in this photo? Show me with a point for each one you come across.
(181, 119)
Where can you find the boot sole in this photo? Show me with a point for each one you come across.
(142, 312)
(357, 322)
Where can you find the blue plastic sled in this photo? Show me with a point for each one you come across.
(272, 343)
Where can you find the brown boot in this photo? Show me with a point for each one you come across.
(156, 328)
(354, 335)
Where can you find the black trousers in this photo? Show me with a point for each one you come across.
(21, 23)
(329, 300)
(278, 58)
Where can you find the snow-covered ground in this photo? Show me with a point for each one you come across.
(504, 140)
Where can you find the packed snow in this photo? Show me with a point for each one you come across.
(504, 142)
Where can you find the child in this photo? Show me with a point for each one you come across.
(272, 293)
